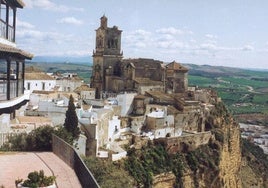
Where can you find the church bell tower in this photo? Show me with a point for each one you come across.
(106, 54)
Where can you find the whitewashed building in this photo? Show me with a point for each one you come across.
(85, 92)
(39, 81)
(68, 82)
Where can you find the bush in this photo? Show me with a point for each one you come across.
(39, 139)
(109, 174)
(37, 179)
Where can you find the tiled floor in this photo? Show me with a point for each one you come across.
(18, 165)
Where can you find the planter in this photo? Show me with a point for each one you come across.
(50, 186)
(36, 179)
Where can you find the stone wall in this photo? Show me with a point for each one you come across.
(189, 141)
(68, 154)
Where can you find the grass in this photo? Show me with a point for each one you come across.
(200, 81)
(245, 81)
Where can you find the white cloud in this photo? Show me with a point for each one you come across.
(210, 36)
(138, 39)
(170, 30)
(247, 48)
(24, 25)
(170, 44)
(208, 46)
(48, 5)
(51, 43)
(70, 20)
(166, 37)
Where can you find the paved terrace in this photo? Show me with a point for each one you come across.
(16, 165)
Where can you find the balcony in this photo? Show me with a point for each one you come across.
(15, 101)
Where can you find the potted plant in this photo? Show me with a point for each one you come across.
(36, 180)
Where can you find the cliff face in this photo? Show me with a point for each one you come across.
(214, 164)
(219, 163)
(230, 162)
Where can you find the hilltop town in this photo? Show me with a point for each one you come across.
(129, 104)
(127, 99)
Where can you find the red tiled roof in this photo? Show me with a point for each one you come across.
(38, 76)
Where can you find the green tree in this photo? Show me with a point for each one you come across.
(71, 120)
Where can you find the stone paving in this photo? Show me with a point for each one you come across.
(16, 165)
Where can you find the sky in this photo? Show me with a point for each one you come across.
(229, 33)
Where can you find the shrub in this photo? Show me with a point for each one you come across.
(39, 139)
(37, 179)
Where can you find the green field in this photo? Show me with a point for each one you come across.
(243, 91)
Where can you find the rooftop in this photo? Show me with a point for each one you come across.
(37, 76)
(176, 66)
(9, 49)
(83, 88)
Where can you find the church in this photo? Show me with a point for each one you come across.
(112, 74)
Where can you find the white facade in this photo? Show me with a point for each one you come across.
(88, 94)
(167, 132)
(125, 101)
(69, 84)
(40, 85)
(114, 128)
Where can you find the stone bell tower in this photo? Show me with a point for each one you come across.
(106, 55)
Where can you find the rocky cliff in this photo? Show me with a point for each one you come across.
(227, 132)
(216, 165)
(230, 158)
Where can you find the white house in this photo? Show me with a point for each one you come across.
(39, 81)
(85, 92)
(68, 82)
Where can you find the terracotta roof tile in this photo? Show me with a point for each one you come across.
(38, 76)
(83, 88)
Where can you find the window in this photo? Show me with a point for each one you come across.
(43, 85)
(28, 85)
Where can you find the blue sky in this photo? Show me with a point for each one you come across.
(225, 33)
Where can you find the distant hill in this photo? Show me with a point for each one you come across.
(58, 59)
(216, 71)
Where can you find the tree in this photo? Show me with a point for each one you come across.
(71, 120)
